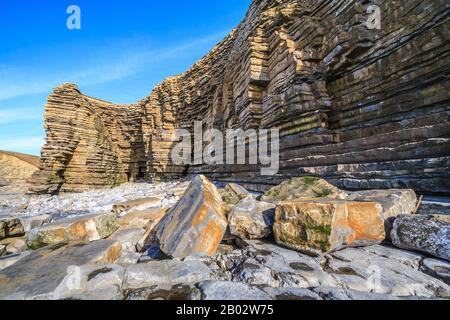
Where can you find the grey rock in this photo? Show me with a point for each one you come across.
(165, 273)
(128, 237)
(291, 294)
(227, 290)
(363, 271)
(90, 282)
(31, 223)
(11, 259)
(16, 246)
(39, 273)
(409, 258)
(333, 293)
(128, 257)
(251, 219)
(437, 268)
(178, 292)
(424, 233)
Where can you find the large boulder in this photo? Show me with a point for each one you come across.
(10, 227)
(251, 219)
(301, 188)
(394, 202)
(86, 228)
(196, 225)
(38, 275)
(424, 233)
(326, 225)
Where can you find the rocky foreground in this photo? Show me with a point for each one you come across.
(302, 240)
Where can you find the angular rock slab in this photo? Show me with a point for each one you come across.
(87, 228)
(10, 227)
(394, 202)
(301, 188)
(196, 225)
(424, 233)
(251, 219)
(166, 274)
(325, 225)
(227, 291)
(38, 275)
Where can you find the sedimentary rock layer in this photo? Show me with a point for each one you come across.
(362, 107)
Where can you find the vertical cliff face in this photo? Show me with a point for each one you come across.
(363, 108)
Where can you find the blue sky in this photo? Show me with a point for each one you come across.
(124, 48)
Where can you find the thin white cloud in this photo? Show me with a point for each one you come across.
(21, 114)
(29, 143)
(105, 67)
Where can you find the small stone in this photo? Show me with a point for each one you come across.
(10, 227)
(196, 225)
(251, 219)
(86, 228)
(325, 225)
(227, 291)
(301, 188)
(128, 237)
(429, 234)
(238, 191)
(36, 221)
(137, 204)
(16, 246)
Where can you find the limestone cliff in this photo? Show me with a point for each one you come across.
(363, 108)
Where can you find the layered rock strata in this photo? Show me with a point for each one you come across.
(364, 108)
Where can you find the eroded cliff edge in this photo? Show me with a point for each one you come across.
(362, 108)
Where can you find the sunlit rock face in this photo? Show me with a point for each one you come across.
(364, 108)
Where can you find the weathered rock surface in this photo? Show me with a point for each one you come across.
(39, 274)
(319, 226)
(147, 219)
(303, 188)
(10, 227)
(87, 228)
(2, 249)
(196, 225)
(128, 238)
(165, 274)
(425, 233)
(436, 268)
(31, 223)
(16, 246)
(364, 108)
(394, 202)
(11, 259)
(251, 219)
(138, 204)
(227, 290)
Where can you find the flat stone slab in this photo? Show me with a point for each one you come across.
(166, 273)
(137, 204)
(38, 274)
(227, 290)
(86, 228)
